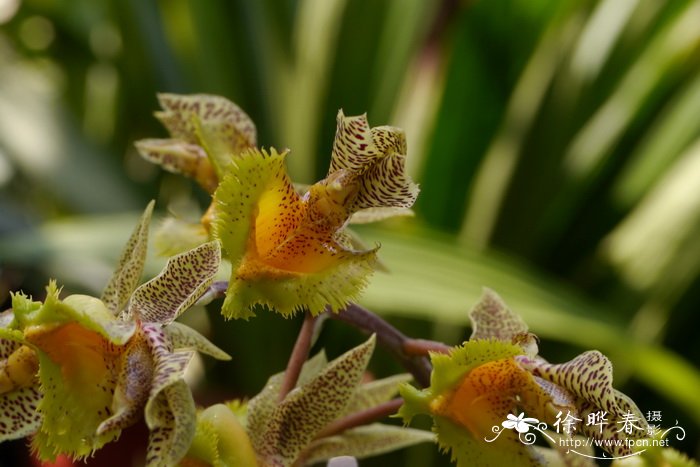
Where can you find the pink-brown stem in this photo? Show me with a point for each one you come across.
(360, 418)
(424, 347)
(299, 356)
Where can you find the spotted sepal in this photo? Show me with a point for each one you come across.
(180, 157)
(185, 278)
(492, 319)
(128, 273)
(353, 145)
(376, 158)
(386, 184)
(261, 406)
(376, 392)
(588, 376)
(171, 419)
(170, 412)
(617, 430)
(366, 441)
(216, 124)
(184, 337)
(133, 385)
(311, 407)
(19, 389)
(19, 414)
(369, 215)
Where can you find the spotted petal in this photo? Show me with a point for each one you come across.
(132, 388)
(366, 441)
(19, 391)
(216, 124)
(311, 407)
(369, 215)
(128, 273)
(171, 420)
(185, 278)
(588, 376)
(492, 319)
(180, 157)
(261, 406)
(170, 411)
(376, 392)
(377, 158)
(19, 414)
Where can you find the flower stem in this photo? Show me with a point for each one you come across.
(299, 355)
(360, 418)
(390, 337)
(423, 347)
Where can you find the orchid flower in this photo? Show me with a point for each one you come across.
(260, 433)
(290, 251)
(288, 244)
(104, 363)
(479, 387)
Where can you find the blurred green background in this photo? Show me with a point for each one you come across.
(557, 144)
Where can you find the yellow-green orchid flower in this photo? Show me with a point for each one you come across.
(19, 386)
(104, 363)
(288, 244)
(479, 388)
(267, 432)
(290, 251)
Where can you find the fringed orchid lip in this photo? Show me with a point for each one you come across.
(289, 251)
(104, 363)
(498, 373)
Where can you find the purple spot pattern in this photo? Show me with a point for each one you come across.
(132, 388)
(19, 414)
(293, 424)
(293, 233)
(172, 426)
(128, 273)
(185, 278)
(377, 159)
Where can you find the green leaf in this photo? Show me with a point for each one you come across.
(185, 278)
(365, 441)
(311, 407)
(128, 273)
